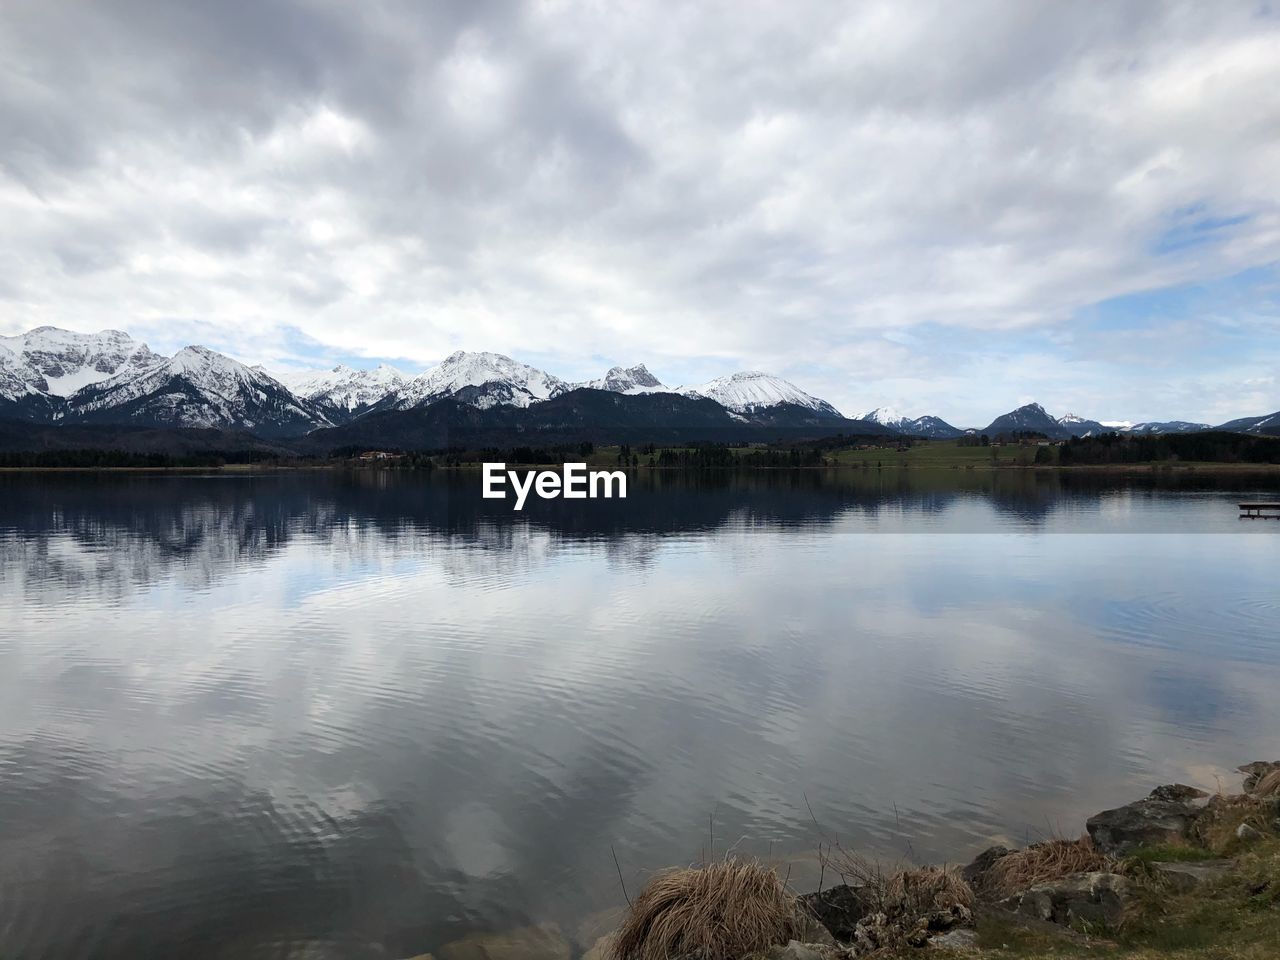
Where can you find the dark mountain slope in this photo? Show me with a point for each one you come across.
(584, 414)
(1267, 426)
(932, 428)
(1030, 418)
(197, 387)
(23, 435)
(31, 406)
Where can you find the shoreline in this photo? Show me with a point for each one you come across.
(199, 471)
(1142, 469)
(1178, 872)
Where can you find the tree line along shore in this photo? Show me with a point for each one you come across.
(1207, 452)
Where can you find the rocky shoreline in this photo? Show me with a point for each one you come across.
(1127, 874)
(1173, 841)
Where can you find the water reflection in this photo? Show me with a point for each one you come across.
(120, 532)
(328, 715)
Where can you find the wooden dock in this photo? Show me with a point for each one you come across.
(1260, 511)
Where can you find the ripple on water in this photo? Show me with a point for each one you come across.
(308, 720)
(1242, 627)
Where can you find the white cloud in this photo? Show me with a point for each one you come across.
(779, 186)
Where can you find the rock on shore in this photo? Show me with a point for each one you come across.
(1165, 816)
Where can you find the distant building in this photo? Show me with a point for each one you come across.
(379, 455)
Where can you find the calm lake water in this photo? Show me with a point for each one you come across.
(365, 715)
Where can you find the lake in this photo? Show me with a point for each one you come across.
(364, 715)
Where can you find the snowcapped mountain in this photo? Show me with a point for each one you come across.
(15, 376)
(1083, 427)
(1033, 417)
(502, 382)
(19, 397)
(42, 366)
(343, 392)
(1268, 425)
(1074, 425)
(932, 428)
(1156, 426)
(59, 376)
(1072, 419)
(635, 379)
(62, 361)
(888, 417)
(197, 387)
(751, 391)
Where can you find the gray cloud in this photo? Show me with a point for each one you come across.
(699, 187)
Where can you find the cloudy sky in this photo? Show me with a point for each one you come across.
(950, 208)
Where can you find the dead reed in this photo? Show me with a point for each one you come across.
(1041, 863)
(719, 911)
(1268, 786)
(1217, 825)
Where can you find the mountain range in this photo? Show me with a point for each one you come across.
(65, 379)
(344, 393)
(1033, 418)
(934, 428)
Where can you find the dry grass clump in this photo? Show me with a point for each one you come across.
(1043, 862)
(1215, 828)
(1259, 771)
(720, 911)
(924, 890)
(1268, 786)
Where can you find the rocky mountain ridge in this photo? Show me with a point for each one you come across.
(59, 376)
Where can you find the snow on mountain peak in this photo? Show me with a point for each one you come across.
(53, 374)
(525, 384)
(635, 379)
(346, 388)
(306, 382)
(197, 357)
(750, 390)
(197, 387)
(59, 362)
(888, 417)
(46, 337)
(17, 379)
(203, 367)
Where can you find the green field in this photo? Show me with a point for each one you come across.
(938, 454)
(926, 454)
(935, 456)
(951, 455)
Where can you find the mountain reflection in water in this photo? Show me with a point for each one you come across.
(365, 714)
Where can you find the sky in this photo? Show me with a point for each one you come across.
(951, 209)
